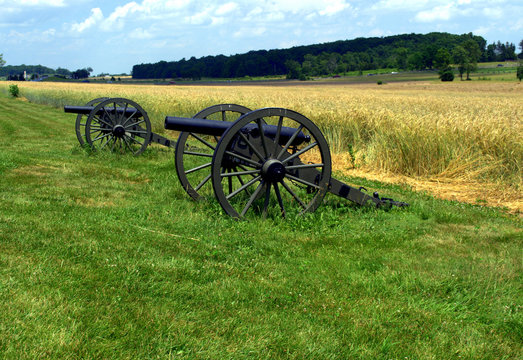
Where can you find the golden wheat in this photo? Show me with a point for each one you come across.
(459, 130)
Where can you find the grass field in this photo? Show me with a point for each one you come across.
(103, 256)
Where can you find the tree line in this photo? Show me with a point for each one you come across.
(16, 72)
(405, 52)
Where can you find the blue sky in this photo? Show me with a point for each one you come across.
(113, 35)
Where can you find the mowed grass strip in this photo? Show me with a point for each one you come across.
(104, 256)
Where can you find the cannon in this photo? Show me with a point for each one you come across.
(269, 161)
(115, 123)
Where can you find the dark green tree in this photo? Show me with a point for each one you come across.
(2, 61)
(415, 61)
(294, 69)
(473, 54)
(442, 61)
(80, 74)
(61, 71)
(460, 58)
(519, 73)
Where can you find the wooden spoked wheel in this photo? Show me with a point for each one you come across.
(81, 120)
(194, 152)
(271, 161)
(119, 125)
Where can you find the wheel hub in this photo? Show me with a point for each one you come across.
(273, 170)
(118, 131)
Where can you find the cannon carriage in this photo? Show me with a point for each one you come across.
(270, 160)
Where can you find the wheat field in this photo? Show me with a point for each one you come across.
(466, 131)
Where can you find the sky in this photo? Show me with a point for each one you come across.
(111, 36)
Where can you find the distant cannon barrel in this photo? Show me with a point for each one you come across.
(217, 128)
(86, 110)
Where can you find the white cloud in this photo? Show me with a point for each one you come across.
(116, 19)
(96, 16)
(37, 2)
(250, 32)
(9, 7)
(226, 8)
(409, 5)
(140, 34)
(334, 7)
(496, 13)
(199, 18)
(435, 14)
(34, 36)
(324, 7)
(482, 30)
(254, 13)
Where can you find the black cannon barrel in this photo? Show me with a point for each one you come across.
(217, 128)
(86, 110)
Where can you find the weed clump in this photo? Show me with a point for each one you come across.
(14, 91)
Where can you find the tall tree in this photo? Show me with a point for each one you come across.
(460, 58)
(2, 61)
(521, 48)
(473, 54)
(442, 61)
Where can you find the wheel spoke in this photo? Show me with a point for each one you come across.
(278, 133)
(136, 141)
(262, 134)
(253, 148)
(197, 154)
(134, 124)
(244, 169)
(130, 117)
(121, 117)
(198, 168)
(305, 182)
(107, 142)
(247, 160)
(253, 197)
(100, 120)
(230, 182)
(302, 151)
(202, 141)
(97, 128)
(240, 189)
(101, 137)
(98, 132)
(202, 182)
(303, 166)
(240, 178)
(267, 198)
(280, 201)
(248, 172)
(106, 115)
(289, 143)
(127, 144)
(293, 194)
(136, 132)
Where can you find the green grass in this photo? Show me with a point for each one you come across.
(103, 256)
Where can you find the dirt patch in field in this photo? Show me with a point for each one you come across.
(472, 192)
